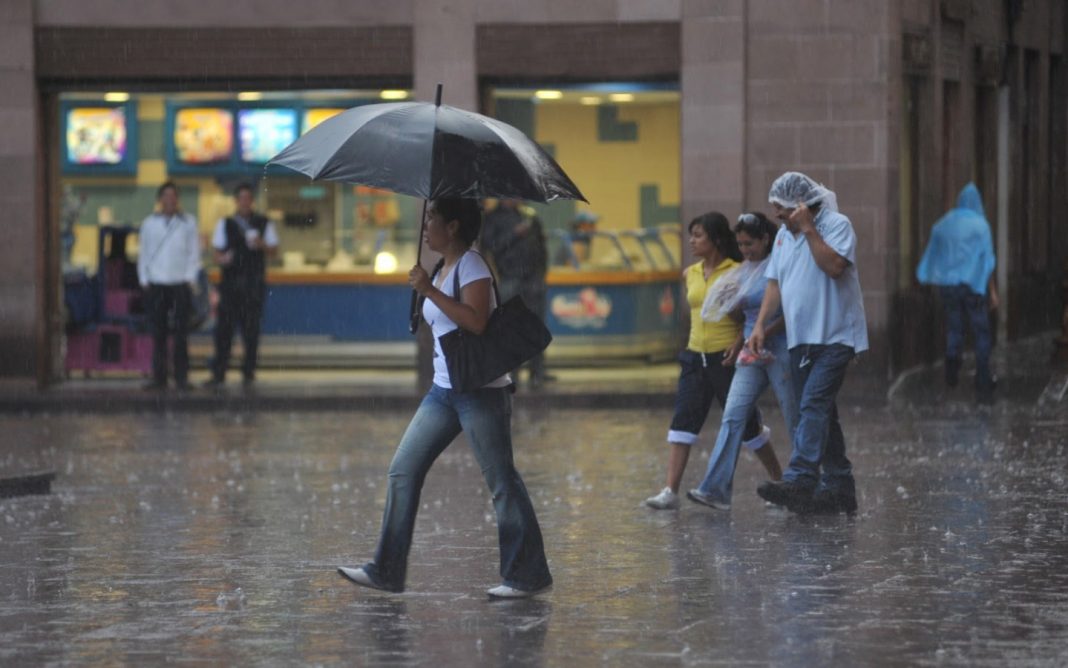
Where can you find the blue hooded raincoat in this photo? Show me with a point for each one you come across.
(961, 250)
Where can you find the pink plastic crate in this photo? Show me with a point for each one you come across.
(109, 348)
(120, 302)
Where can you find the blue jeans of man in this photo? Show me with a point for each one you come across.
(748, 384)
(484, 415)
(961, 304)
(818, 459)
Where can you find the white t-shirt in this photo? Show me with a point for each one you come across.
(472, 268)
(218, 238)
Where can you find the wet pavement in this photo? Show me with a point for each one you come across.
(211, 537)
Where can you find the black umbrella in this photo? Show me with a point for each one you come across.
(429, 151)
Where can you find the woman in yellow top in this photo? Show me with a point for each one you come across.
(707, 364)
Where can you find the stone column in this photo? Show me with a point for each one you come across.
(444, 52)
(20, 253)
(712, 82)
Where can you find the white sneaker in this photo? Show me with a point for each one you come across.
(360, 577)
(665, 500)
(504, 591)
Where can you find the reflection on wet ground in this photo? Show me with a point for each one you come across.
(213, 538)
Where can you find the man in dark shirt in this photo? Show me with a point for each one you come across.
(513, 238)
(242, 244)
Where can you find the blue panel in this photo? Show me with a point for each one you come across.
(345, 312)
(613, 309)
(380, 312)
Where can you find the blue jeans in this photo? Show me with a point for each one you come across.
(818, 457)
(748, 384)
(485, 416)
(959, 303)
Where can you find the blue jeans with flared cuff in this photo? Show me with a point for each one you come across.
(748, 384)
(484, 415)
(818, 457)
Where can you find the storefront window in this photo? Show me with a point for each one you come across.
(116, 153)
(620, 143)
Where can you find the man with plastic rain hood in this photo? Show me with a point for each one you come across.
(960, 260)
(813, 276)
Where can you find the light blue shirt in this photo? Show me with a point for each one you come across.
(961, 251)
(751, 308)
(819, 309)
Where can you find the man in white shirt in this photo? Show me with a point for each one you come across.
(812, 274)
(167, 267)
(242, 244)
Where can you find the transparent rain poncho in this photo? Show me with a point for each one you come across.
(727, 293)
(793, 188)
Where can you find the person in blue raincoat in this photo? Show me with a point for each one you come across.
(960, 260)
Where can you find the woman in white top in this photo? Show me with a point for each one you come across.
(483, 414)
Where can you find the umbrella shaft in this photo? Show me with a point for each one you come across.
(413, 311)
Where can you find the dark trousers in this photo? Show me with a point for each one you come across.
(961, 304)
(162, 299)
(702, 380)
(243, 309)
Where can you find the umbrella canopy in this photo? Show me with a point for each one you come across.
(429, 151)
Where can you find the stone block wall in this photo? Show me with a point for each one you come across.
(821, 100)
(19, 254)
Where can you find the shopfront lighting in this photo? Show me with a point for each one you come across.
(385, 263)
(394, 95)
(249, 96)
(548, 94)
(116, 97)
(589, 100)
(621, 97)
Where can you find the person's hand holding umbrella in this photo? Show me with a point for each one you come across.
(419, 280)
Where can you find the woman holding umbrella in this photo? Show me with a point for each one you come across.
(484, 415)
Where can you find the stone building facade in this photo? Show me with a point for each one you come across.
(894, 104)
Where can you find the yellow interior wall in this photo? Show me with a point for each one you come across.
(610, 173)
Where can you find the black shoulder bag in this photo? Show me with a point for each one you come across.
(513, 335)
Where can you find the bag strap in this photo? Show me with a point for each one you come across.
(166, 235)
(456, 279)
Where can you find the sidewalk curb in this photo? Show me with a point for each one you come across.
(46, 403)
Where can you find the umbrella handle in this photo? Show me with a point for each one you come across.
(413, 324)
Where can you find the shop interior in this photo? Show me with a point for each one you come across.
(619, 141)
